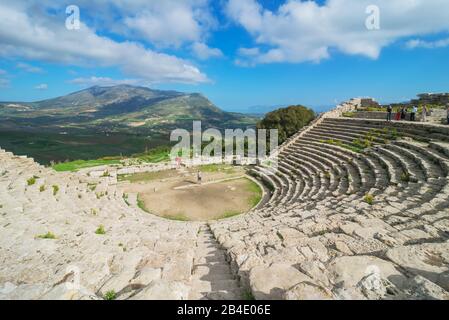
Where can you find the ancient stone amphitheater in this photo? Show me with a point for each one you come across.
(336, 224)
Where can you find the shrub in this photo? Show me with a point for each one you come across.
(100, 230)
(369, 198)
(42, 188)
(110, 295)
(405, 176)
(31, 181)
(55, 190)
(106, 174)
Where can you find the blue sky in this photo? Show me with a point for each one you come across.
(239, 53)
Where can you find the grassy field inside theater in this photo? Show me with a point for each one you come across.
(82, 164)
(176, 195)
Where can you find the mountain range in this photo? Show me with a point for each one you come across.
(104, 121)
(119, 106)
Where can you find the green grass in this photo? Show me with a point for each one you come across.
(212, 168)
(339, 143)
(141, 203)
(110, 295)
(156, 155)
(42, 188)
(100, 230)
(177, 217)
(82, 164)
(230, 214)
(145, 176)
(48, 235)
(256, 193)
(248, 295)
(348, 114)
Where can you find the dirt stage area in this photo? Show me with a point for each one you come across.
(224, 191)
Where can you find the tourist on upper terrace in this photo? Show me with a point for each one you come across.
(389, 111)
(403, 113)
(413, 114)
(447, 109)
(424, 114)
(398, 116)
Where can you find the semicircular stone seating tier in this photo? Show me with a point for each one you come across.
(357, 209)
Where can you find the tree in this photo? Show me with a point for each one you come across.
(288, 120)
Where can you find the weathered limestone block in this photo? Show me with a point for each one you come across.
(63, 292)
(308, 291)
(10, 291)
(146, 275)
(430, 260)
(163, 290)
(361, 277)
(272, 282)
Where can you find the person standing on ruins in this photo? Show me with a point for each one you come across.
(389, 111)
(424, 114)
(447, 114)
(397, 117)
(199, 177)
(403, 113)
(413, 114)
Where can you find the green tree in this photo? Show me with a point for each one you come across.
(288, 120)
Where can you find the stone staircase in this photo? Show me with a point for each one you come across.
(212, 278)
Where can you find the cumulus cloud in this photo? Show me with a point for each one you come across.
(300, 31)
(42, 86)
(103, 81)
(29, 68)
(168, 23)
(418, 43)
(42, 38)
(204, 52)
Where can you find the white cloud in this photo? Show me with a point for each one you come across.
(167, 23)
(249, 52)
(300, 31)
(203, 52)
(103, 81)
(29, 68)
(42, 86)
(42, 38)
(418, 43)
